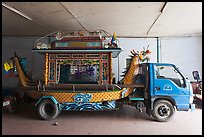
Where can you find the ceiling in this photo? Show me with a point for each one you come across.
(127, 19)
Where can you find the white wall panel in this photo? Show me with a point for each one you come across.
(185, 52)
(128, 44)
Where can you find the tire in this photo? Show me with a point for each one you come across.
(163, 111)
(47, 110)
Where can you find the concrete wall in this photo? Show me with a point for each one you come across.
(23, 48)
(128, 44)
(185, 52)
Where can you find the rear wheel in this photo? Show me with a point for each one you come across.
(47, 109)
(163, 111)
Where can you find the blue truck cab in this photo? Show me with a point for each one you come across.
(166, 90)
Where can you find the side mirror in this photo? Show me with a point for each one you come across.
(196, 75)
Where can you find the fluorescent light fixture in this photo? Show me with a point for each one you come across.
(16, 11)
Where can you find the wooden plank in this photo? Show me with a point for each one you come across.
(104, 87)
(83, 87)
(130, 85)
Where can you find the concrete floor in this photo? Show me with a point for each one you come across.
(127, 121)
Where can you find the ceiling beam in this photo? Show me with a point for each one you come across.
(161, 11)
(23, 15)
(16, 11)
(73, 16)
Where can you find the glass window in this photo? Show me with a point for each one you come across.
(171, 73)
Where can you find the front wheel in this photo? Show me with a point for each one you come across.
(163, 111)
(47, 109)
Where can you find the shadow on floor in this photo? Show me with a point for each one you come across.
(27, 110)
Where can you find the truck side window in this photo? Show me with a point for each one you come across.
(169, 72)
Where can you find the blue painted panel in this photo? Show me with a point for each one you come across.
(88, 106)
(82, 97)
(47, 97)
(167, 87)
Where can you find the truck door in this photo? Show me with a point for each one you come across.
(169, 82)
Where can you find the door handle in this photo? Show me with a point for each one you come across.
(157, 88)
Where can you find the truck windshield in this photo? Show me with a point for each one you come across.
(171, 73)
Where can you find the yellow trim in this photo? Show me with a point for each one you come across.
(99, 96)
(110, 69)
(46, 68)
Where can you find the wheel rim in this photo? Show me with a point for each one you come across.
(164, 111)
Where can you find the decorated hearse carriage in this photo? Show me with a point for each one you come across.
(78, 76)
